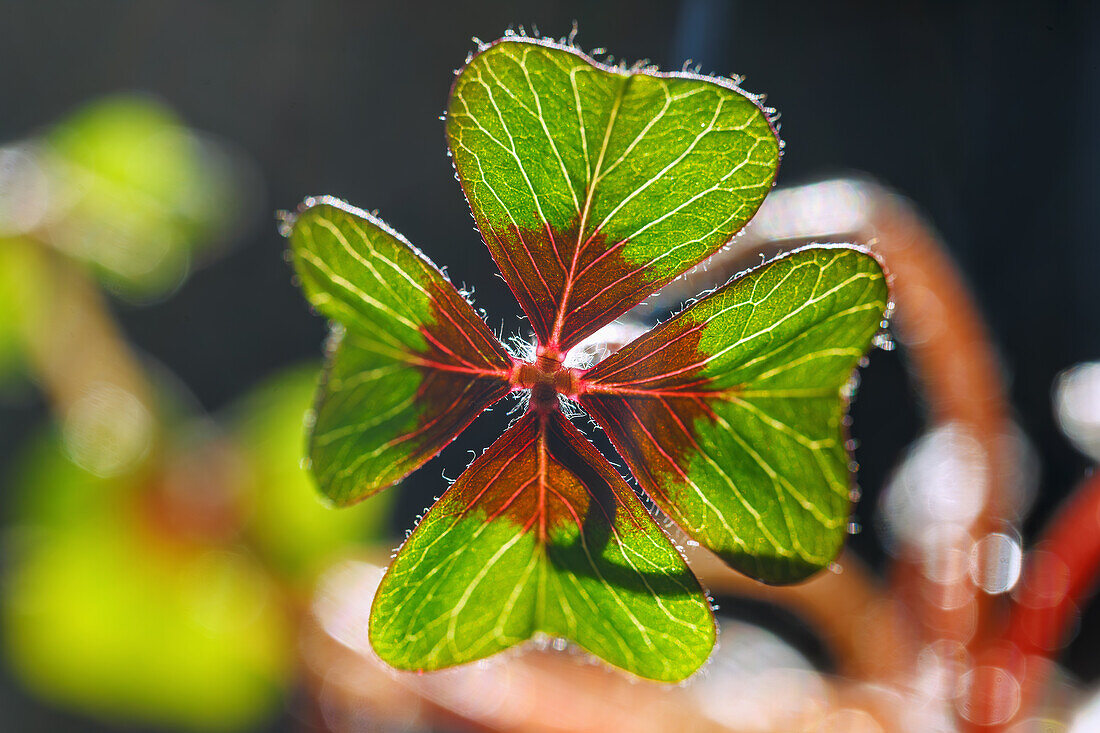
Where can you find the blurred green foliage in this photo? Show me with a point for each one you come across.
(102, 615)
(135, 193)
(164, 589)
(110, 608)
(125, 188)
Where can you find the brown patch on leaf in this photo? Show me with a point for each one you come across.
(584, 280)
(542, 475)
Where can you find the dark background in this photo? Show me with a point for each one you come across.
(986, 114)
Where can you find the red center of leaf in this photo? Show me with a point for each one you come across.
(547, 377)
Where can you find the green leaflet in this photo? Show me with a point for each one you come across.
(541, 534)
(415, 365)
(731, 414)
(592, 185)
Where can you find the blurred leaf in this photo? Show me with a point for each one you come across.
(135, 193)
(290, 523)
(104, 613)
(49, 490)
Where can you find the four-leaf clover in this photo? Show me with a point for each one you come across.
(592, 186)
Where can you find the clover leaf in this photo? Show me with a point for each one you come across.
(592, 186)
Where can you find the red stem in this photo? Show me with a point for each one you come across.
(1060, 575)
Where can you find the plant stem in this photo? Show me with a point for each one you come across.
(74, 342)
(1060, 574)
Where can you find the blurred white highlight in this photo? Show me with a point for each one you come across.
(343, 600)
(1087, 718)
(814, 210)
(935, 496)
(995, 563)
(776, 687)
(1077, 406)
(988, 695)
(24, 191)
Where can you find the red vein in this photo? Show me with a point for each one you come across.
(511, 499)
(614, 389)
(542, 473)
(632, 295)
(664, 375)
(603, 290)
(444, 367)
(554, 246)
(483, 331)
(443, 414)
(569, 506)
(534, 264)
(596, 261)
(443, 347)
(705, 407)
(528, 304)
(586, 452)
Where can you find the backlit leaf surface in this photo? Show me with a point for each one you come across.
(410, 367)
(541, 534)
(592, 185)
(730, 414)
